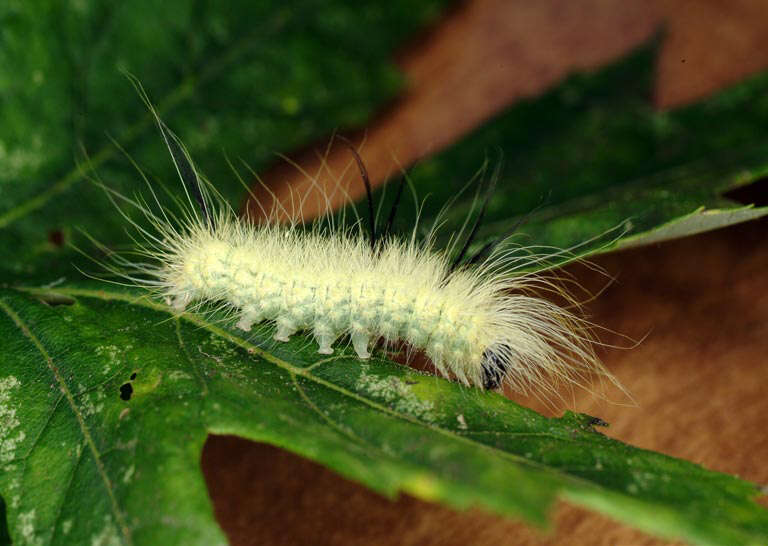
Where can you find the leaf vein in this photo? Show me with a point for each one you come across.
(80, 419)
(65, 493)
(48, 420)
(343, 430)
(145, 301)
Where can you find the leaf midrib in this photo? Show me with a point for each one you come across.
(144, 301)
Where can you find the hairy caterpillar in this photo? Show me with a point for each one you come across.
(478, 319)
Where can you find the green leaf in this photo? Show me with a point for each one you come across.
(81, 463)
(591, 160)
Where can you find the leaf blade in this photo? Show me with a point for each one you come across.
(379, 423)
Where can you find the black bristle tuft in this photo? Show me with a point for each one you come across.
(186, 171)
(494, 369)
(368, 189)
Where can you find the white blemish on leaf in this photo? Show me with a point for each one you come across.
(78, 450)
(87, 407)
(66, 526)
(644, 480)
(13, 486)
(9, 439)
(91, 403)
(16, 161)
(113, 354)
(397, 394)
(462, 421)
(26, 528)
(108, 535)
(177, 375)
(223, 348)
(129, 474)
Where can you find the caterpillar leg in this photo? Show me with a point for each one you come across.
(248, 319)
(245, 323)
(180, 302)
(285, 331)
(325, 338)
(360, 342)
(324, 343)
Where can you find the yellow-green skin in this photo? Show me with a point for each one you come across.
(333, 284)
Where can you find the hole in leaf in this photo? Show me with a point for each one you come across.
(754, 193)
(54, 299)
(126, 390)
(133, 376)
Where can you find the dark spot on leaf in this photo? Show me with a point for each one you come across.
(583, 421)
(754, 193)
(133, 376)
(54, 299)
(126, 390)
(56, 238)
(597, 422)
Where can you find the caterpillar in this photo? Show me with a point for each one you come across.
(479, 319)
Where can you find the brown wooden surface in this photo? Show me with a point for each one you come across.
(700, 375)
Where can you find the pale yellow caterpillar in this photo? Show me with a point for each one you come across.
(479, 321)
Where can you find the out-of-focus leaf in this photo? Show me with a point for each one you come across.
(243, 79)
(592, 159)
